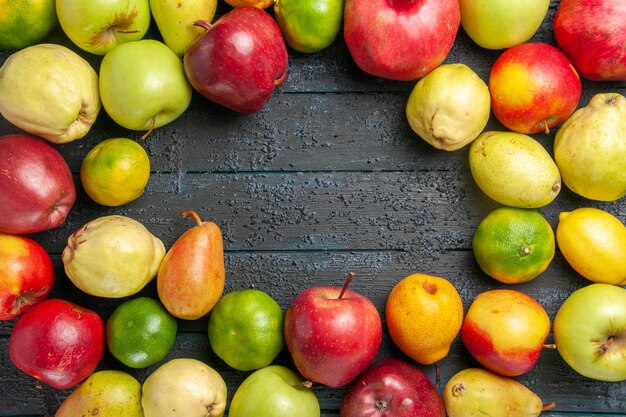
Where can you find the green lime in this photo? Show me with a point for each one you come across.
(140, 332)
(514, 245)
(26, 22)
(246, 329)
(115, 171)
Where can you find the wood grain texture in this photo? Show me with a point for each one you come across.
(328, 178)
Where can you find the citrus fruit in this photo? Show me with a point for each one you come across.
(514, 245)
(26, 22)
(115, 171)
(246, 329)
(593, 242)
(424, 314)
(140, 332)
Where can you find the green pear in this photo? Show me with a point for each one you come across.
(105, 394)
(500, 24)
(476, 392)
(175, 20)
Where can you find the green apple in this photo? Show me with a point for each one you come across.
(274, 391)
(97, 26)
(500, 24)
(175, 20)
(143, 85)
(590, 331)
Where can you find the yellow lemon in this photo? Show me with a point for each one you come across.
(115, 172)
(514, 245)
(593, 242)
(424, 314)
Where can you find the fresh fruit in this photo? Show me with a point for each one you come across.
(143, 85)
(514, 169)
(50, 91)
(505, 331)
(274, 391)
(514, 245)
(175, 21)
(500, 24)
(424, 315)
(112, 256)
(25, 206)
(388, 48)
(97, 26)
(140, 332)
(26, 22)
(593, 242)
(332, 333)
(475, 392)
(394, 388)
(246, 329)
(592, 33)
(309, 25)
(184, 387)
(534, 88)
(115, 171)
(106, 393)
(449, 107)
(241, 79)
(590, 331)
(191, 277)
(590, 148)
(26, 275)
(57, 342)
(261, 4)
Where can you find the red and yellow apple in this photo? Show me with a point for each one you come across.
(533, 87)
(505, 331)
(26, 275)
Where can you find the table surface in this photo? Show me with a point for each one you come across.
(328, 178)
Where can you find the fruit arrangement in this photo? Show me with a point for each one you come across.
(197, 219)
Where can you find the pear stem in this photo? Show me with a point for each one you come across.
(203, 24)
(548, 406)
(127, 31)
(345, 285)
(194, 215)
(549, 346)
(145, 135)
(437, 374)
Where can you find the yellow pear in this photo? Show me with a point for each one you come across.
(105, 394)
(476, 392)
(175, 20)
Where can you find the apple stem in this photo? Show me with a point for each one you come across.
(304, 384)
(194, 215)
(549, 346)
(548, 406)
(545, 125)
(145, 135)
(279, 80)
(203, 24)
(345, 285)
(127, 31)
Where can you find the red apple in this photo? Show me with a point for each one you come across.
(57, 342)
(36, 189)
(26, 275)
(332, 334)
(505, 331)
(533, 87)
(392, 388)
(400, 39)
(239, 61)
(592, 33)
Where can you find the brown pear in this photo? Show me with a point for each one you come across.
(476, 392)
(191, 277)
